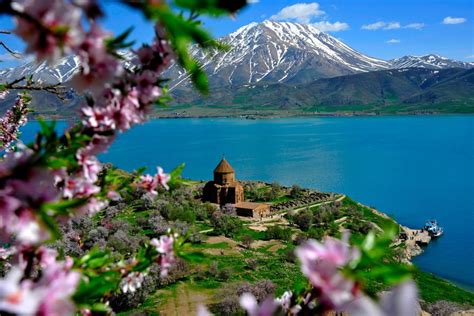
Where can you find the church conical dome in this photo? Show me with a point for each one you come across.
(224, 167)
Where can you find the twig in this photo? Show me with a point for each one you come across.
(56, 89)
(8, 49)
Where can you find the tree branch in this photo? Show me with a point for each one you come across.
(56, 89)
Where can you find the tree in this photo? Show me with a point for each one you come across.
(296, 191)
(304, 219)
(59, 176)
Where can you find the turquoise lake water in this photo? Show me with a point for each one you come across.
(412, 168)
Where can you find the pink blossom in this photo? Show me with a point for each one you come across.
(157, 56)
(61, 23)
(286, 304)
(11, 122)
(113, 195)
(132, 282)
(59, 282)
(17, 297)
(97, 144)
(165, 249)
(163, 178)
(90, 166)
(100, 119)
(402, 300)
(147, 86)
(148, 183)
(79, 187)
(93, 206)
(321, 264)
(98, 67)
(250, 304)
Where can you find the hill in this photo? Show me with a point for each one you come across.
(388, 91)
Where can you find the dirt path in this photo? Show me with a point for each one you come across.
(183, 300)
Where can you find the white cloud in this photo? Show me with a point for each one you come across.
(325, 26)
(300, 12)
(392, 26)
(253, 1)
(393, 41)
(416, 26)
(470, 56)
(451, 20)
(373, 26)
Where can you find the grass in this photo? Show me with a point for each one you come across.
(433, 288)
(367, 213)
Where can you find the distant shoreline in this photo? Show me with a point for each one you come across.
(273, 116)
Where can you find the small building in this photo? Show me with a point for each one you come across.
(251, 209)
(225, 188)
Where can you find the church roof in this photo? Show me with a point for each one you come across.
(224, 167)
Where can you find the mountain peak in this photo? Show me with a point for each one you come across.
(430, 61)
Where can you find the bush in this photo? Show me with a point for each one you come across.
(224, 274)
(261, 290)
(229, 306)
(251, 263)
(277, 232)
(304, 220)
(182, 213)
(227, 225)
(316, 233)
(296, 192)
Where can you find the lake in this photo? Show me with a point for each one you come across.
(413, 168)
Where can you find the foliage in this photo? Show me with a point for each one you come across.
(227, 225)
(277, 232)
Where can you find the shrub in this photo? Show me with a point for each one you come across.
(316, 233)
(227, 225)
(224, 274)
(277, 232)
(304, 220)
(229, 306)
(296, 192)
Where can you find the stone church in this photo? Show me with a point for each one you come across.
(225, 188)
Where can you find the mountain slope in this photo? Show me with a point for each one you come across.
(450, 90)
(272, 52)
(430, 61)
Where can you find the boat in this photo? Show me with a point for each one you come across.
(433, 229)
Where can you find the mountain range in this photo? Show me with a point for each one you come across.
(297, 66)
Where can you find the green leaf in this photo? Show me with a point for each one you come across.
(193, 257)
(93, 288)
(114, 44)
(213, 7)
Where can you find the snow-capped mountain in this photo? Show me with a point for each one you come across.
(42, 72)
(267, 52)
(271, 52)
(431, 61)
(61, 72)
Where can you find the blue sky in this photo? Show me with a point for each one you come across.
(384, 29)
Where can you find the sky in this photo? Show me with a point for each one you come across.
(384, 29)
